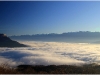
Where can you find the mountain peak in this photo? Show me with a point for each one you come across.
(3, 35)
(7, 42)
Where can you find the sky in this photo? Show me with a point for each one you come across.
(43, 17)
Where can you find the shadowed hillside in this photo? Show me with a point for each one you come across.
(51, 69)
(7, 42)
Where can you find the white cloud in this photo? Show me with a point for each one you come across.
(47, 53)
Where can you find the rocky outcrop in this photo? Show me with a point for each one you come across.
(7, 42)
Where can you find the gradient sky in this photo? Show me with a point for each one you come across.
(35, 17)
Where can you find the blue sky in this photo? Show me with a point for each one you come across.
(37, 17)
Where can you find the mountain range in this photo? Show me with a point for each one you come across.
(75, 37)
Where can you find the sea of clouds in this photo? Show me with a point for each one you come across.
(51, 53)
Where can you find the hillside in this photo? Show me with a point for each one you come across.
(51, 69)
(7, 42)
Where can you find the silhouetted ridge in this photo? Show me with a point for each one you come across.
(7, 42)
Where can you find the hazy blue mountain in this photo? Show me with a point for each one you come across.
(81, 36)
(7, 42)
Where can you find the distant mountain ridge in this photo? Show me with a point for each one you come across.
(81, 36)
(7, 42)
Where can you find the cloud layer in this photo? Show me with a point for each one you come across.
(51, 53)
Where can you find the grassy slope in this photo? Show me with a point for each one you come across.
(51, 69)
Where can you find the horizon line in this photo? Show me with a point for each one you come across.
(52, 33)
